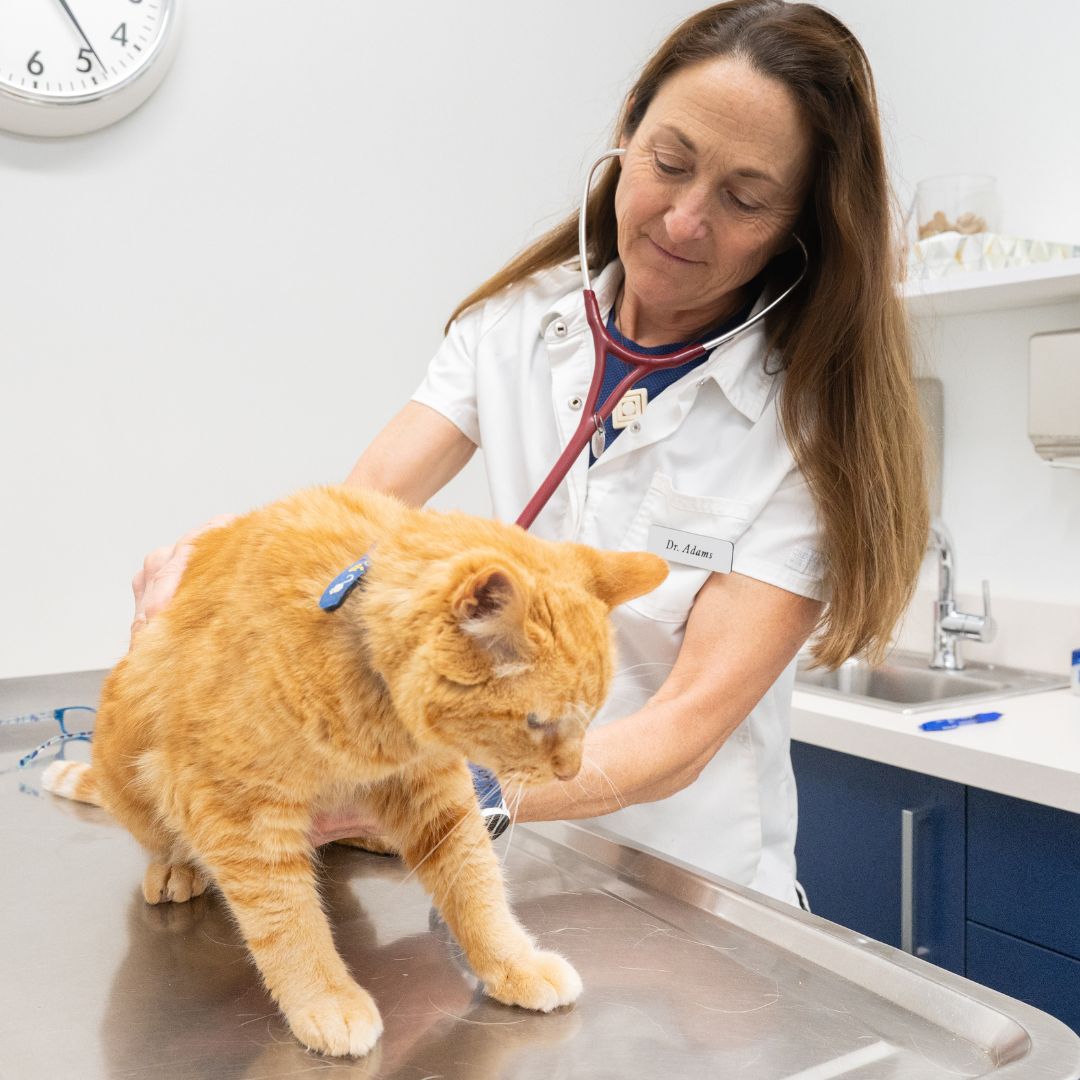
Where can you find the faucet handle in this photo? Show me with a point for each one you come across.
(988, 629)
(966, 625)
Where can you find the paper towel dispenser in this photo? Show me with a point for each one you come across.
(1054, 397)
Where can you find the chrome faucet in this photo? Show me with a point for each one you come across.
(952, 626)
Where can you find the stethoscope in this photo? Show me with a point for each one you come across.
(591, 426)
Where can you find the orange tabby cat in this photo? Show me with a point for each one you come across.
(245, 709)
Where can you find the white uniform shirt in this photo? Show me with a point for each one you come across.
(707, 457)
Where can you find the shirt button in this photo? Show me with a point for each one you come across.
(635, 427)
(575, 403)
(560, 329)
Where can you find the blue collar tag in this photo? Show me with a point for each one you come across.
(344, 584)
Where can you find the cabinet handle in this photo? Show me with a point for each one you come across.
(909, 820)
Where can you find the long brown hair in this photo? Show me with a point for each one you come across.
(848, 406)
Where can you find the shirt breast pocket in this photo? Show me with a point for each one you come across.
(708, 516)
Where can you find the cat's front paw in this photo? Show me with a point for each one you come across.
(541, 981)
(343, 1023)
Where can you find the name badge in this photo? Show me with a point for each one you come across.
(692, 549)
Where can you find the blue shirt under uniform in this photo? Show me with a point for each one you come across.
(615, 370)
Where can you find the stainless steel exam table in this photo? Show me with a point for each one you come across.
(685, 976)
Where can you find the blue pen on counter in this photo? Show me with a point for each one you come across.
(948, 725)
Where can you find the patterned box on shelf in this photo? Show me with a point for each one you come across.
(954, 253)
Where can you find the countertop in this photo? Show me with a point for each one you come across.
(685, 975)
(1032, 752)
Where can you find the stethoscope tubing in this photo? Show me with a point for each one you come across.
(593, 419)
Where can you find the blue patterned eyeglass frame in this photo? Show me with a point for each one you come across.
(65, 736)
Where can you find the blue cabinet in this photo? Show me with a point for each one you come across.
(994, 882)
(851, 849)
(1023, 870)
(1046, 979)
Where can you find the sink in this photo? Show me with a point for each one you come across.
(906, 682)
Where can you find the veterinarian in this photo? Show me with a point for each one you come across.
(791, 455)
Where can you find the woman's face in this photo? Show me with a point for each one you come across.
(711, 185)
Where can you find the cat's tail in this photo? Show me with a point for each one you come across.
(73, 780)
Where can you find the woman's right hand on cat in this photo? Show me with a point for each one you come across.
(160, 574)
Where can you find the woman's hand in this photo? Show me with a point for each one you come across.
(156, 582)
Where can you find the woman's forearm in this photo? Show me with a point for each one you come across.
(643, 757)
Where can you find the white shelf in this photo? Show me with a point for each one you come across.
(991, 290)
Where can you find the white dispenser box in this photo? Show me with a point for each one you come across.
(1054, 397)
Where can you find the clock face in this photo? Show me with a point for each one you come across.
(74, 54)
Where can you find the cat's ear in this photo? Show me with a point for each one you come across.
(489, 605)
(618, 576)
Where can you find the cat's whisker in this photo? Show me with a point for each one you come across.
(513, 821)
(446, 836)
(473, 847)
(256, 1019)
(482, 795)
(581, 784)
(623, 689)
(582, 713)
(632, 703)
(624, 685)
(644, 663)
(614, 790)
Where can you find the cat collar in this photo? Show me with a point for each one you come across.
(344, 584)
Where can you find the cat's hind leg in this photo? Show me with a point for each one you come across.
(166, 878)
(177, 882)
(267, 879)
(171, 875)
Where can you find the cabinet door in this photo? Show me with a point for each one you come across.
(1023, 870)
(850, 845)
(1041, 977)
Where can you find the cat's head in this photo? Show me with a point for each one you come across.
(519, 653)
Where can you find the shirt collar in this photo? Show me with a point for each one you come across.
(743, 369)
(570, 307)
(738, 367)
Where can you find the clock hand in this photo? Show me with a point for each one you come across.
(71, 16)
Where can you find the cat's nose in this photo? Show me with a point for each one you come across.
(566, 767)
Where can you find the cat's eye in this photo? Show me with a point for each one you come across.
(534, 723)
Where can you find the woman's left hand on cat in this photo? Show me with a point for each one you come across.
(156, 580)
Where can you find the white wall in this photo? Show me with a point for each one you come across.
(982, 86)
(987, 86)
(224, 296)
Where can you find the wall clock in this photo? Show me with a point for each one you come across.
(72, 66)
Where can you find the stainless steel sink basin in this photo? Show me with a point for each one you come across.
(906, 683)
